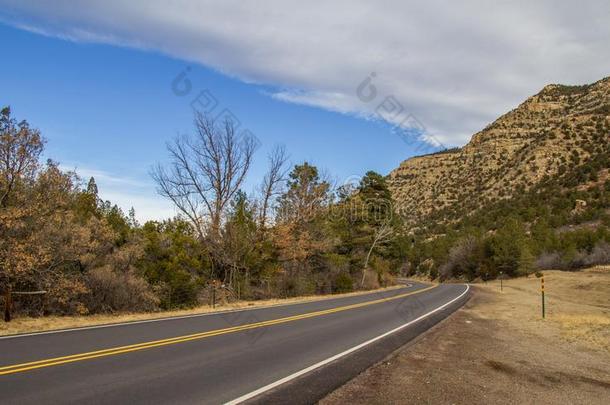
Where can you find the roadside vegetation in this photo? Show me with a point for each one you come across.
(529, 192)
(64, 251)
(562, 223)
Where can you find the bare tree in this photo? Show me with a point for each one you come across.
(271, 185)
(382, 234)
(205, 172)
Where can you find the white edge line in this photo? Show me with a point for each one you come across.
(338, 356)
(171, 318)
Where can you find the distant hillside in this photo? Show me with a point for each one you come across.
(529, 192)
(546, 138)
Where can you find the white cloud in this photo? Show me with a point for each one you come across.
(454, 65)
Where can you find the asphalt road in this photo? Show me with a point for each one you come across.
(289, 353)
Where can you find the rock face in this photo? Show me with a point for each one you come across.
(580, 206)
(547, 135)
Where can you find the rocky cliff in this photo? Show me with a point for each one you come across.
(547, 135)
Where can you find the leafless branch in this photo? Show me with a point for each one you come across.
(205, 172)
(273, 180)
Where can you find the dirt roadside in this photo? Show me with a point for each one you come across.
(497, 349)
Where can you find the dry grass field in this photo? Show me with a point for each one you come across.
(577, 306)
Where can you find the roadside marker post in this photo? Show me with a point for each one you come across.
(214, 294)
(542, 291)
(8, 303)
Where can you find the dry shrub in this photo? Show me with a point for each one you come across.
(111, 292)
(463, 260)
(293, 285)
(407, 269)
(116, 287)
(549, 261)
(600, 255)
(371, 281)
(387, 279)
(426, 267)
(64, 297)
(382, 268)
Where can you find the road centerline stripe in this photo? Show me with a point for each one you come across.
(22, 367)
(306, 370)
(201, 314)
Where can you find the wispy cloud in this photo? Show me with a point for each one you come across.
(103, 176)
(454, 65)
(126, 192)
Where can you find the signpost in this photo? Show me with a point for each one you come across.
(542, 291)
(8, 303)
(213, 293)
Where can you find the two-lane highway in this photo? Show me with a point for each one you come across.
(296, 351)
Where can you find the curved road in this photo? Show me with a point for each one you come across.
(288, 353)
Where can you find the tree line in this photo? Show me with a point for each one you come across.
(298, 234)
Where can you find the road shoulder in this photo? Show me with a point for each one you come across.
(474, 357)
(314, 384)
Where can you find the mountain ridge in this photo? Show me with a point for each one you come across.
(547, 135)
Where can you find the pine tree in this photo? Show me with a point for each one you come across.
(92, 187)
(133, 222)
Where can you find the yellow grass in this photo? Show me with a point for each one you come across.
(28, 325)
(577, 305)
(592, 330)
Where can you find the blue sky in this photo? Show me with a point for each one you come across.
(108, 111)
(95, 76)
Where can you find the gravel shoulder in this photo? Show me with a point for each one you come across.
(497, 349)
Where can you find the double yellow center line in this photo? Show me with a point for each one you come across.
(19, 368)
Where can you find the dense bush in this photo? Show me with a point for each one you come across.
(110, 291)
